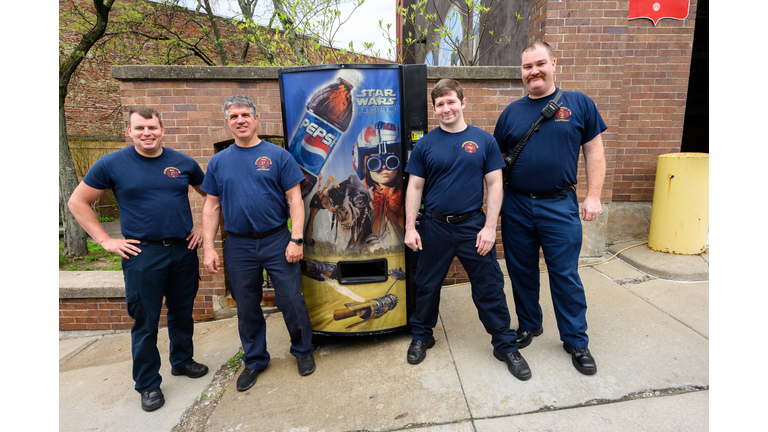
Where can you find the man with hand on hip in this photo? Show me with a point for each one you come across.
(151, 185)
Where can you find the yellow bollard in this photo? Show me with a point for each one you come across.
(680, 213)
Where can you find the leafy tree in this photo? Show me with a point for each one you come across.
(462, 29)
(74, 236)
(299, 32)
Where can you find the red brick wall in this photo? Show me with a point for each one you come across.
(485, 102)
(655, 88)
(194, 122)
(636, 73)
(111, 313)
(93, 101)
(95, 314)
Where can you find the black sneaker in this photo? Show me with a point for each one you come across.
(152, 399)
(247, 379)
(306, 365)
(192, 370)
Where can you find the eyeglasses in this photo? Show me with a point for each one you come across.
(382, 161)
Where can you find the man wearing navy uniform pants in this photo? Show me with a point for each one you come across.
(151, 185)
(249, 183)
(540, 206)
(448, 167)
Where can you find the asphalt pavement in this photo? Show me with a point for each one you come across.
(649, 333)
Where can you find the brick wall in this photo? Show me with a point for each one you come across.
(194, 122)
(486, 99)
(109, 312)
(93, 101)
(636, 73)
(96, 314)
(655, 89)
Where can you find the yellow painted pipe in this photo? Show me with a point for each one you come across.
(680, 213)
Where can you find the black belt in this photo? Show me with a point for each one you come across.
(164, 242)
(260, 235)
(559, 194)
(453, 219)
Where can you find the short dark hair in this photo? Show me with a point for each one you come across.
(145, 112)
(444, 87)
(539, 44)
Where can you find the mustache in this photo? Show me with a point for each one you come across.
(536, 76)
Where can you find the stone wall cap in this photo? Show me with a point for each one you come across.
(226, 73)
(91, 284)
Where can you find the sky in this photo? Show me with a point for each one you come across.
(363, 26)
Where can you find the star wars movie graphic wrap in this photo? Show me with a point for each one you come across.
(343, 127)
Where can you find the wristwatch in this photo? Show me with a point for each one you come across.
(298, 241)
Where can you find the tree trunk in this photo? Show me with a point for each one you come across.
(75, 243)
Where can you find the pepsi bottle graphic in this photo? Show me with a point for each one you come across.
(327, 116)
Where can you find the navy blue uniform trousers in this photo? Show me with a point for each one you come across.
(553, 224)
(442, 241)
(246, 259)
(160, 271)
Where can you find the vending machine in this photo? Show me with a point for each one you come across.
(351, 128)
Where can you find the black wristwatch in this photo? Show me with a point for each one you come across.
(298, 241)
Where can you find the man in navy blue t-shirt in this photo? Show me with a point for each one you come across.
(151, 184)
(249, 183)
(540, 206)
(449, 166)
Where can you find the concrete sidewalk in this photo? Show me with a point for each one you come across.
(650, 338)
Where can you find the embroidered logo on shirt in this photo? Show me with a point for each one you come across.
(562, 114)
(263, 163)
(469, 147)
(172, 172)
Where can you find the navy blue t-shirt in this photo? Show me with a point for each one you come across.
(549, 160)
(251, 183)
(152, 192)
(453, 166)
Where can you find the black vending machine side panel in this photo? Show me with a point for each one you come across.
(415, 102)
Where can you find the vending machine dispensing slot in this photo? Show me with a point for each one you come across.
(361, 272)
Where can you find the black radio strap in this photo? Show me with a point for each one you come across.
(546, 113)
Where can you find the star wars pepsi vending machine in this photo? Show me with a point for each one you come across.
(351, 128)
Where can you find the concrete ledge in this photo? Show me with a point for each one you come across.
(91, 284)
(221, 73)
(664, 265)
